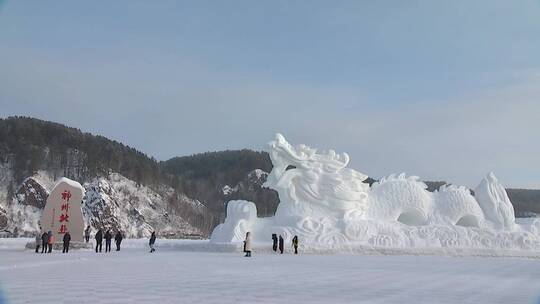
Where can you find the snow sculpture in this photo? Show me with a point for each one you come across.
(331, 208)
(495, 202)
(241, 216)
(62, 212)
(319, 184)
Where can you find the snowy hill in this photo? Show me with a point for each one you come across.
(112, 202)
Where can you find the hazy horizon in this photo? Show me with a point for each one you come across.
(443, 90)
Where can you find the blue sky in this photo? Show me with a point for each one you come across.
(447, 90)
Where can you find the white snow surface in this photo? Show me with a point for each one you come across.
(169, 275)
(330, 208)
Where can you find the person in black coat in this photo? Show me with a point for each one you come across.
(295, 244)
(44, 242)
(280, 244)
(118, 240)
(67, 239)
(274, 242)
(108, 238)
(152, 242)
(99, 240)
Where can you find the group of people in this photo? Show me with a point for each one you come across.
(276, 243)
(46, 241)
(118, 237)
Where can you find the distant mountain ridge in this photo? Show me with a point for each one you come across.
(182, 196)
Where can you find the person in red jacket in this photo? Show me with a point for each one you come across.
(50, 240)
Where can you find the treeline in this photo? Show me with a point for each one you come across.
(525, 201)
(203, 176)
(32, 144)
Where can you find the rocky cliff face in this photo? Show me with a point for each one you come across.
(112, 201)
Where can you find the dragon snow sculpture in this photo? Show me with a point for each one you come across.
(330, 206)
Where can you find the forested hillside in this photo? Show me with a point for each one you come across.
(31, 147)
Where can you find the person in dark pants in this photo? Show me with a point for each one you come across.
(50, 240)
(295, 244)
(99, 240)
(274, 242)
(38, 241)
(87, 233)
(67, 239)
(280, 244)
(44, 242)
(118, 240)
(152, 242)
(108, 238)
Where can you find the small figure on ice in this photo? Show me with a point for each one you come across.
(247, 245)
(108, 238)
(295, 244)
(274, 242)
(38, 241)
(99, 240)
(87, 233)
(152, 241)
(118, 239)
(281, 244)
(66, 240)
(44, 242)
(50, 240)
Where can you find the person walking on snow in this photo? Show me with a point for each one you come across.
(118, 240)
(247, 244)
(280, 244)
(99, 240)
(38, 241)
(108, 238)
(87, 233)
(50, 240)
(67, 239)
(295, 244)
(152, 242)
(274, 242)
(44, 242)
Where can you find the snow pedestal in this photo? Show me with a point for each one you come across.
(60, 246)
(331, 209)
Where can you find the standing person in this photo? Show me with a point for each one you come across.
(50, 240)
(295, 244)
(118, 240)
(99, 240)
(87, 233)
(108, 238)
(152, 242)
(280, 244)
(247, 244)
(274, 242)
(38, 241)
(67, 239)
(44, 242)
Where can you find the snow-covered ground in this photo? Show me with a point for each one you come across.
(169, 275)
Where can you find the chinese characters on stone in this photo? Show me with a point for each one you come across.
(64, 209)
